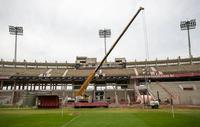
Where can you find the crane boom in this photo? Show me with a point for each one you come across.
(90, 77)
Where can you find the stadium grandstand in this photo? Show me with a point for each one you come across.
(119, 82)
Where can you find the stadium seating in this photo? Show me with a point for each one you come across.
(179, 69)
(154, 87)
(78, 73)
(21, 71)
(40, 77)
(57, 72)
(118, 72)
(180, 95)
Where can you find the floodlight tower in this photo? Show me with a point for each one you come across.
(187, 25)
(16, 30)
(105, 33)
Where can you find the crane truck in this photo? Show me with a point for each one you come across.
(81, 97)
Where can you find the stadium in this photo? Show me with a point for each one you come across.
(119, 82)
(133, 90)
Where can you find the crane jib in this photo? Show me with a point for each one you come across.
(84, 86)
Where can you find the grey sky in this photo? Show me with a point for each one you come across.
(63, 29)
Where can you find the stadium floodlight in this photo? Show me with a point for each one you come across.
(105, 33)
(15, 30)
(187, 25)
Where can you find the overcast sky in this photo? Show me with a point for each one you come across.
(63, 29)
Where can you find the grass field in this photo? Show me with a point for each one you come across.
(111, 117)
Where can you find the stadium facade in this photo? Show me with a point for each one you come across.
(119, 82)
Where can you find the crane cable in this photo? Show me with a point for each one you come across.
(145, 36)
(147, 68)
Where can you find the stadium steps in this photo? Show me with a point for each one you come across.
(136, 71)
(154, 87)
(65, 73)
(140, 71)
(184, 96)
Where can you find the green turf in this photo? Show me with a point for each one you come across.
(111, 117)
(33, 118)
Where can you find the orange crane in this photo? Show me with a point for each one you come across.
(82, 90)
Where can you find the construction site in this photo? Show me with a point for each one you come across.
(118, 83)
(144, 78)
(89, 83)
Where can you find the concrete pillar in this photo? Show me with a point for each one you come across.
(12, 97)
(116, 96)
(11, 87)
(132, 85)
(125, 95)
(42, 86)
(7, 87)
(63, 87)
(13, 93)
(55, 86)
(104, 95)
(27, 86)
(14, 85)
(129, 101)
(31, 87)
(45, 87)
(19, 86)
(73, 92)
(1, 87)
(23, 86)
(50, 86)
(39, 85)
(94, 92)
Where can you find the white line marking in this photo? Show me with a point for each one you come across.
(67, 123)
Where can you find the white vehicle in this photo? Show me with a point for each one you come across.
(154, 104)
